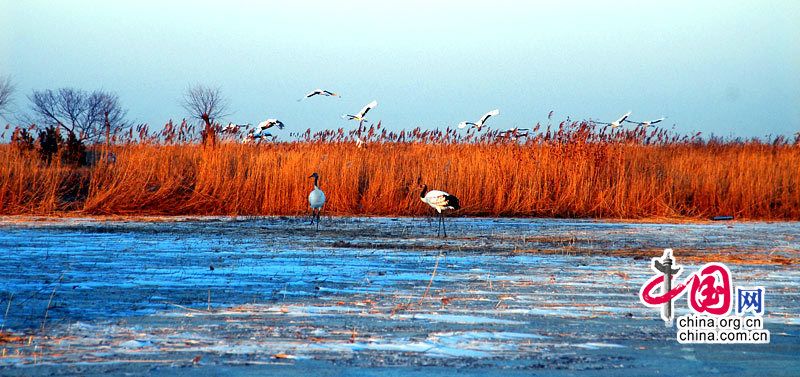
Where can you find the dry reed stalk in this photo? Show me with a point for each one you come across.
(5, 315)
(545, 176)
(47, 309)
(430, 282)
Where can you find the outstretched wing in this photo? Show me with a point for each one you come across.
(620, 120)
(367, 108)
(659, 120)
(488, 115)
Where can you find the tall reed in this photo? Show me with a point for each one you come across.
(572, 170)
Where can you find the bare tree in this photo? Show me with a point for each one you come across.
(206, 104)
(90, 116)
(6, 90)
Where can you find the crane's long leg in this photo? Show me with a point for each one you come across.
(318, 213)
(444, 226)
(439, 225)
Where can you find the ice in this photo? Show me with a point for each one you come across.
(517, 293)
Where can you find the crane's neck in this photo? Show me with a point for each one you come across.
(424, 191)
(316, 181)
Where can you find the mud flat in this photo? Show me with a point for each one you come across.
(209, 296)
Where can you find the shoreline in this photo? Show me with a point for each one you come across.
(11, 219)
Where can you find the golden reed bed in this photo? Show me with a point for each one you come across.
(748, 180)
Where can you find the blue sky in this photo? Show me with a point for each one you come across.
(729, 68)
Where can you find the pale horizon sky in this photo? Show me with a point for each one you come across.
(727, 68)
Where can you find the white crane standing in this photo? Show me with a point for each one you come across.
(440, 201)
(316, 199)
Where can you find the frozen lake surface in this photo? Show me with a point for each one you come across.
(375, 295)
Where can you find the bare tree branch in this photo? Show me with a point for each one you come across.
(205, 103)
(90, 116)
(6, 90)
